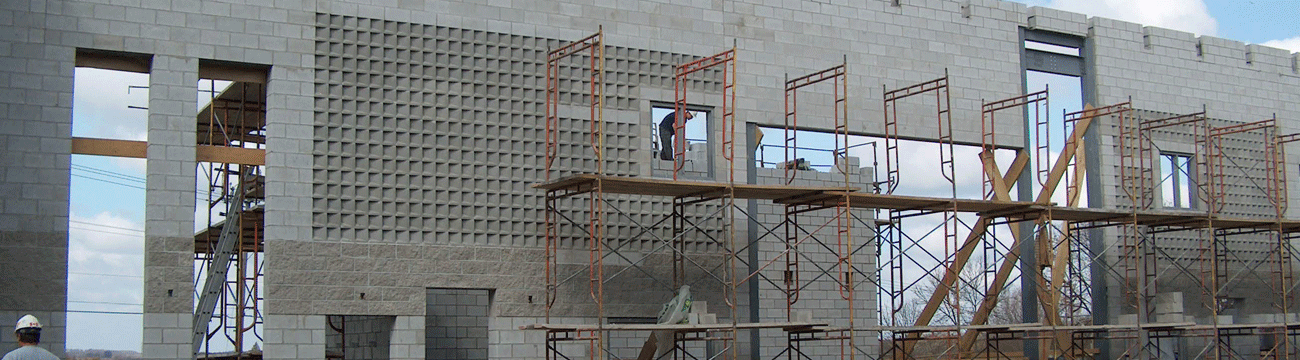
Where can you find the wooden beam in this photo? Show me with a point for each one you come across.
(109, 147)
(1008, 263)
(230, 155)
(968, 247)
(139, 150)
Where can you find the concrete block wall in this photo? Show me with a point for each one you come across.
(168, 335)
(1180, 250)
(39, 56)
(169, 205)
(36, 110)
(456, 324)
(820, 295)
(1173, 72)
(409, 154)
(294, 336)
(308, 274)
(359, 336)
(1177, 72)
(407, 341)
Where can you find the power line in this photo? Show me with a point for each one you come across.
(123, 176)
(105, 232)
(104, 303)
(200, 193)
(107, 226)
(114, 275)
(108, 181)
(106, 312)
(196, 197)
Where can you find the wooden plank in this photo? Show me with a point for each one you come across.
(139, 149)
(670, 327)
(1024, 211)
(668, 187)
(230, 155)
(109, 147)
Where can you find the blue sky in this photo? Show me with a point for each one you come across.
(107, 210)
(1269, 22)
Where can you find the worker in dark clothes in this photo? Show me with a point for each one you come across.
(666, 132)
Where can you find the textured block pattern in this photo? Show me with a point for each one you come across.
(432, 134)
(1180, 258)
(456, 324)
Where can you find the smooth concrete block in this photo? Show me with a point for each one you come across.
(161, 320)
(1169, 303)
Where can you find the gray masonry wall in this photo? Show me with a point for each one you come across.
(820, 298)
(386, 183)
(34, 173)
(457, 324)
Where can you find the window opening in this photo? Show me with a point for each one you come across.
(106, 207)
(230, 114)
(1176, 180)
(698, 162)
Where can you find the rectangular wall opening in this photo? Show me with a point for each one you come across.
(697, 162)
(351, 337)
(230, 122)
(456, 323)
(1177, 189)
(106, 204)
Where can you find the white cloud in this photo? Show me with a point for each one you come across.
(100, 104)
(106, 234)
(105, 260)
(1292, 44)
(1183, 15)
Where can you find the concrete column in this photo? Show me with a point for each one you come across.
(169, 209)
(288, 214)
(407, 341)
(36, 113)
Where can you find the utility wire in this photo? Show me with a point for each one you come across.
(106, 312)
(114, 275)
(200, 194)
(104, 303)
(110, 173)
(133, 186)
(108, 181)
(107, 226)
(105, 232)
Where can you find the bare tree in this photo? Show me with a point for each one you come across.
(963, 300)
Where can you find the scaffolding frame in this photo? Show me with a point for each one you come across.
(234, 117)
(843, 270)
(594, 188)
(1057, 230)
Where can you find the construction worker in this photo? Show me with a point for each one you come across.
(666, 132)
(28, 332)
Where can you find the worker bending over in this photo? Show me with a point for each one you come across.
(667, 131)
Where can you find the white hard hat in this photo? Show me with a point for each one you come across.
(28, 322)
